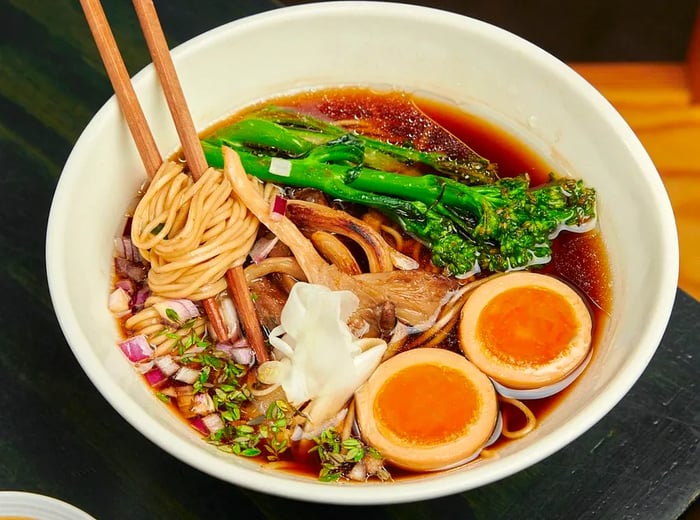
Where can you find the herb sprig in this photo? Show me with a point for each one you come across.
(270, 431)
(338, 457)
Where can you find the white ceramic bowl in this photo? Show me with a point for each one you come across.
(20, 504)
(472, 64)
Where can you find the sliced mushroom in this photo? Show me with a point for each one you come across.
(416, 295)
(278, 264)
(310, 217)
(333, 250)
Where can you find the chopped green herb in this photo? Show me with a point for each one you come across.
(338, 457)
(268, 434)
(250, 452)
(355, 450)
(199, 384)
(157, 229)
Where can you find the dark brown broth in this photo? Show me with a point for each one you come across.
(580, 259)
(489, 141)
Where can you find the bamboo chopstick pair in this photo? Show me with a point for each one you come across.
(146, 145)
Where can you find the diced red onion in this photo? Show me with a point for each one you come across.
(239, 351)
(125, 248)
(227, 348)
(203, 404)
(358, 472)
(187, 375)
(183, 308)
(136, 348)
(144, 366)
(139, 298)
(167, 365)
(128, 285)
(118, 302)
(279, 207)
(155, 377)
(198, 424)
(262, 248)
(244, 356)
(230, 317)
(213, 422)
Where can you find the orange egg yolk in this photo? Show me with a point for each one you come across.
(527, 325)
(427, 404)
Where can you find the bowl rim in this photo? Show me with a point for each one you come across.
(403, 490)
(21, 504)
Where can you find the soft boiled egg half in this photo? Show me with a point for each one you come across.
(427, 409)
(526, 331)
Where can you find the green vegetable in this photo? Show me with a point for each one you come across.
(297, 134)
(338, 457)
(172, 315)
(499, 225)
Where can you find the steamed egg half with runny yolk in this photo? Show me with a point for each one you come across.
(525, 330)
(427, 409)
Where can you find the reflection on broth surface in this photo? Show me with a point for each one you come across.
(365, 223)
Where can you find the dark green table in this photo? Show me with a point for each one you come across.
(59, 437)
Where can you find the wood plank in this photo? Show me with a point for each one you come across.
(651, 83)
(657, 102)
(693, 60)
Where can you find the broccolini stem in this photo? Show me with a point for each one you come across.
(349, 182)
(295, 134)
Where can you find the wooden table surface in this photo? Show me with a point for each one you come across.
(59, 437)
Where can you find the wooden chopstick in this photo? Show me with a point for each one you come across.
(165, 69)
(121, 83)
(133, 113)
(194, 155)
(238, 287)
(189, 140)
